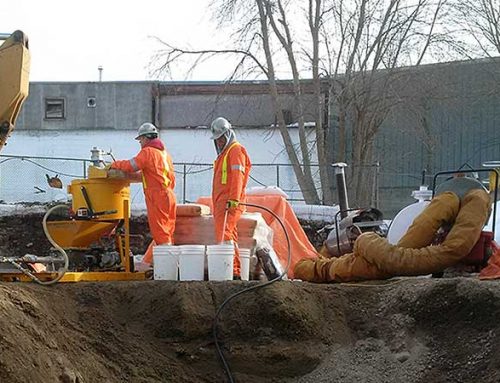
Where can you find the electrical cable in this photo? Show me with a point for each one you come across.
(194, 171)
(256, 181)
(285, 190)
(43, 167)
(220, 353)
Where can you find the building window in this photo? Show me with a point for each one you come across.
(54, 108)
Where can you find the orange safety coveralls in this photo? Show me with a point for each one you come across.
(158, 181)
(231, 172)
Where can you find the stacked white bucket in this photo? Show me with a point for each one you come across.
(220, 262)
(192, 263)
(166, 262)
(187, 262)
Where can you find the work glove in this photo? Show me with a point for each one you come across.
(232, 203)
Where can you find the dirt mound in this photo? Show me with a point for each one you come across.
(412, 330)
(409, 330)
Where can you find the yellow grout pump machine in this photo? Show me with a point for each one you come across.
(92, 242)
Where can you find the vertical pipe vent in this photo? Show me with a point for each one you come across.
(341, 187)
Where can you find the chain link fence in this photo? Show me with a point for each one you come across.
(24, 179)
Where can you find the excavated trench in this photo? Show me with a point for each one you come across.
(403, 330)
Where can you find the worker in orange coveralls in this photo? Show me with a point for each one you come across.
(158, 181)
(231, 171)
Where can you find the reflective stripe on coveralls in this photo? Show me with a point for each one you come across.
(231, 171)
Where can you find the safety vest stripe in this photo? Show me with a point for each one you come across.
(224, 164)
(166, 169)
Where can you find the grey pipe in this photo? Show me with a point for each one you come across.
(341, 188)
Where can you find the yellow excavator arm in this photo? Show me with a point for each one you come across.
(14, 80)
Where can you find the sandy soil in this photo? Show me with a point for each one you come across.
(403, 330)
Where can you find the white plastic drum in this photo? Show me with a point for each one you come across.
(166, 261)
(192, 263)
(403, 220)
(220, 262)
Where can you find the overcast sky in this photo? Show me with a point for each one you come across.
(70, 39)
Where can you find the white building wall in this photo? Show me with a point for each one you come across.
(24, 180)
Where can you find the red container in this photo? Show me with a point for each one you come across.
(481, 251)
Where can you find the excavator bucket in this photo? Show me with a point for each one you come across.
(14, 80)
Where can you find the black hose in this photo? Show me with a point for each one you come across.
(220, 353)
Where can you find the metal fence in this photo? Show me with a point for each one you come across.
(24, 179)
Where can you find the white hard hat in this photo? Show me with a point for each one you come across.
(219, 127)
(145, 129)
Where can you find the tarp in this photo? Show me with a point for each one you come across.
(492, 270)
(300, 245)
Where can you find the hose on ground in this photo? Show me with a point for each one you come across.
(218, 312)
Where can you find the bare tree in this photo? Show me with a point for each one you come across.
(261, 30)
(355, 47)
(370, 42)
(479, 22)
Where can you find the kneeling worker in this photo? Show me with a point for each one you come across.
(158, 182)
(231, 172)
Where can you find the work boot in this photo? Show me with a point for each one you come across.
(236, 277)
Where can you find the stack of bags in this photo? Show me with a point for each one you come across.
(194, 225)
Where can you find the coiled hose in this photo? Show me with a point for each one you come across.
(220, 353)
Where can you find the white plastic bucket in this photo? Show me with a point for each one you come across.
(220, 262)
(192, 263)
(165, 261)
(245, 264)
